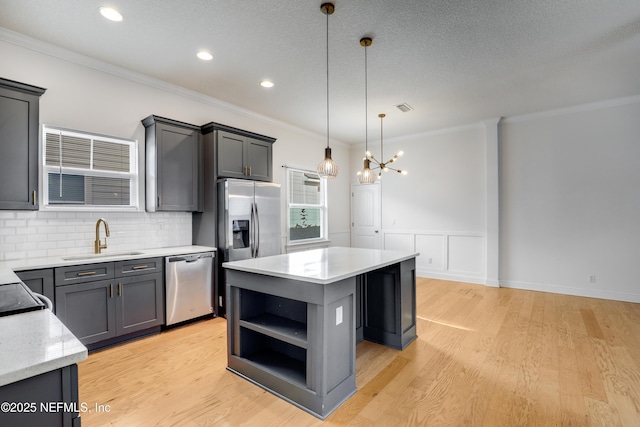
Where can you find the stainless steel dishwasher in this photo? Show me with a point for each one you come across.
(189, 286)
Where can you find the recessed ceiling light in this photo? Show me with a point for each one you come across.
(111, 14)
(204, 55)
(266, 83)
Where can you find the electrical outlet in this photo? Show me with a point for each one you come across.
(338, 315)
(429, 260)
(592, 278)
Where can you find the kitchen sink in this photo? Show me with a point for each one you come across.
(103, 255)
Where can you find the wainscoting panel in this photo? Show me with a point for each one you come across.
(458, 256)
(432, 249)
(398, 241)
(466, 255)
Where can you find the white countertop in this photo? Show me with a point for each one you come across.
(34, 343)
(321, 266)
(7, 268)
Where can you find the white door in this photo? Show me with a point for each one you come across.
(365, 216)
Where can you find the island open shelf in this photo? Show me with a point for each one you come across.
(276, 357)
(295, 334)
(278, 317)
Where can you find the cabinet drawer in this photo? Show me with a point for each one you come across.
(83, 273)
(139, 266)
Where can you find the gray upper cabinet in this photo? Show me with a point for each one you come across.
(260, 159)
(241, 154)
(231, 155)
(174, 165)
(19, 117)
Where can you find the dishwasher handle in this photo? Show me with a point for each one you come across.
(190, 258)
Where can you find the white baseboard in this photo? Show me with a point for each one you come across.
(566, 290)
(430, 274)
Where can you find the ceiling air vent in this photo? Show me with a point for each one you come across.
(404, 107)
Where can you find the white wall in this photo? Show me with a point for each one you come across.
(438, 209)
(568, 204)
(91, 96)
(570, 201)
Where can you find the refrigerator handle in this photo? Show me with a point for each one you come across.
(257, 231)
(253, 231)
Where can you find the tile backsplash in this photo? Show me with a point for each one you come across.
(42, 234)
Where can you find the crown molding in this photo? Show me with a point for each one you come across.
(48, 49)
(445, 131)
(592, 106)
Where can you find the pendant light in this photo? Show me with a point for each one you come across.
(327, 168)
(385, 166)
(366, 175)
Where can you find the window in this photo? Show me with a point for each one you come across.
(81, 169)
(307, 206)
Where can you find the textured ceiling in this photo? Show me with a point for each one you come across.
(455, 62)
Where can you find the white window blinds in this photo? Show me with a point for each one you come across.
(83, 169)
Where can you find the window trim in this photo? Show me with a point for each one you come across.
(133, 174)
(324, 221)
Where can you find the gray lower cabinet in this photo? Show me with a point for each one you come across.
(106, 303)
(174, 165)
(19, 117)
(139, 303)
(239, 153)
(39, 281)
(88, 310)
(49, 399)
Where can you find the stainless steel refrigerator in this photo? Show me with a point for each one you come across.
(248, 223)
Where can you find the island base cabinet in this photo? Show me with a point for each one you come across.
(49, 399)
(393, 323)
(296, 340)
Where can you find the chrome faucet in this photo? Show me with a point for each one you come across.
(98, 246)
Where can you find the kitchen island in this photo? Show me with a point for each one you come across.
(293, 320)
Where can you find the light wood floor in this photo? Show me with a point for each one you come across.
(484, 357)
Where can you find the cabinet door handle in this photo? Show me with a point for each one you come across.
(110, 290)
(119, 289)
(249, 170)
(86, 273)
(138, 267)
(34, 197)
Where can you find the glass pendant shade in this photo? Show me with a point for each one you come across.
(328, 168)
(366, 175)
